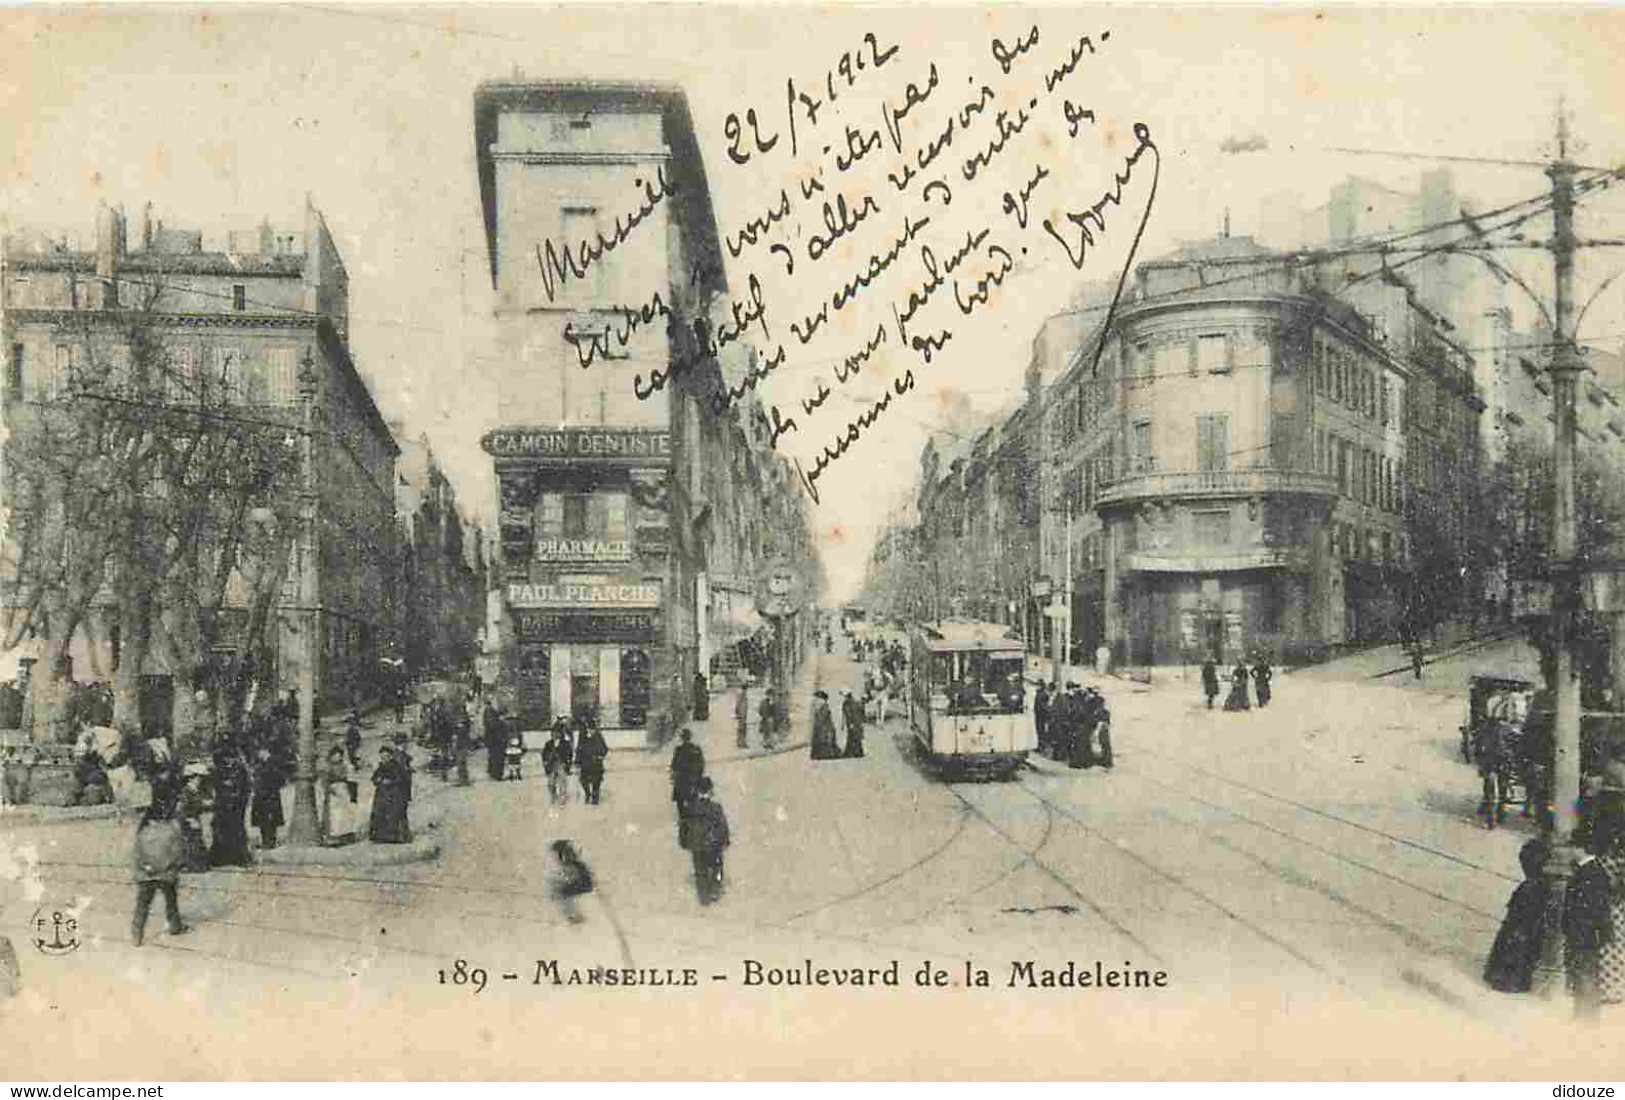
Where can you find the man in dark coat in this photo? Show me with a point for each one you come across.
(1085, 714)
(266, 814)
(1041, 715)
(496, 742)
(852, 718)
(742, 716)
(702, 698)
(705, 835)
(229, 845)
(591, 750)
(687, 769)
(767, 715)
(1261, 680)
(1210, 681)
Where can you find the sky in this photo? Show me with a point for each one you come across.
(221, 116)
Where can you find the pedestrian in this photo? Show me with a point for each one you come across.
(702, 698)
(1594, 914)
(1085, 714)
(513, 758)
(1516, 951)
(557, 760)
(496, 742)
(687, 769)
(352, 737)
(571, 880)
(705, 835)
(1210, 680)
(852, 717)
(156, 859)
(339, 809)
(1494, 768)
(1102, 716)
(392, 792)
(266, 814)
(229, 843)
(1238, 688)
(1041, 715)
(824, 743)
(1416, 658)
(591, 752)
(767, 717)
(742, 716)
(189, 812)
(1261, 681)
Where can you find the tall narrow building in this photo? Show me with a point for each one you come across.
(627, 483)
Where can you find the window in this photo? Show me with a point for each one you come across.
(119, 365)
(1342, 451)
(226, 373)
(1283, 433)
(1142, 445)
(181, 384)
(1212, 354)
(579, 222)
(550, 516)
(281, 370)
(1382, 402)
(1212, 527)
(62, 376)
(14, 373)
(239, 297)
(1213, 441)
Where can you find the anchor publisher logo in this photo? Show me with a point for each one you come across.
(56, 930)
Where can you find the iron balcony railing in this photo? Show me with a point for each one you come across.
(1153, 484)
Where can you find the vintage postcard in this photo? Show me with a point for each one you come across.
(811, 541)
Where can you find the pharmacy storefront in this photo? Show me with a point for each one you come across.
(586, 648)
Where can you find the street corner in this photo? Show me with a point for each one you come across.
(28, 815)
(361, 854)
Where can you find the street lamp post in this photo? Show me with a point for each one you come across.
(303, 829)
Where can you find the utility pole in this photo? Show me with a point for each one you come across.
(1564, 793)
(303, 828)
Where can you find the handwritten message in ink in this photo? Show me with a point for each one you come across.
(901, 201)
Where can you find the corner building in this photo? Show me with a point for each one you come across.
(632, 509)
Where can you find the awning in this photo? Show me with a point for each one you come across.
(733, 622)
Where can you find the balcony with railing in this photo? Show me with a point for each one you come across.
(1149, 483)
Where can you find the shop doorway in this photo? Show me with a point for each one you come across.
(584, 683)
(634, 688)
(533, 687)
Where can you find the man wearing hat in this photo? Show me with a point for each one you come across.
(705, 835)
(824, 746)
(687, 769)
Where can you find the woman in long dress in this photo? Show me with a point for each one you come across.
(338, 806)
(389, 800)
(1238, 689)
(824, 743)
(231, 795)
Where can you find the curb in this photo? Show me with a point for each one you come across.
(59, 815)
(661, 763)
(360, 854)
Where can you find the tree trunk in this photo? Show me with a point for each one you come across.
(135, 630)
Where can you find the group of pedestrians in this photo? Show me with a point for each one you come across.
(575, 747)
(1074, 725)
(1593, 918)
(823, 743)
(702, 827)
(1259, 675)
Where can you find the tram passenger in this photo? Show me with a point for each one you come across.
(1041, 714)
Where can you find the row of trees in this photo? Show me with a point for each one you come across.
(141, 490)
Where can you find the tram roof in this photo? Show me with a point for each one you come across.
(963, 634)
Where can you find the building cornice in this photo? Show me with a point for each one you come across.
(164, 320)
(581, 156)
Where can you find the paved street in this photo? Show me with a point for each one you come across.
(1291, 870)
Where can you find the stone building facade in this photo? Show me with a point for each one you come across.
(246, 318)
(637, 504)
